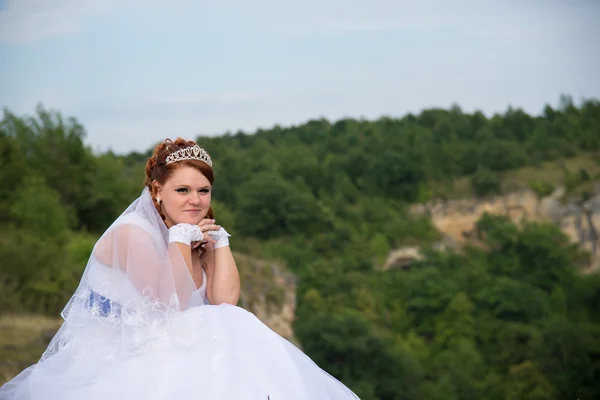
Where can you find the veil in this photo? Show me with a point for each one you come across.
(132, 292)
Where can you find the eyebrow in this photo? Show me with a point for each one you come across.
(189, 187)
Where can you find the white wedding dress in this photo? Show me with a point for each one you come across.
(119, 342)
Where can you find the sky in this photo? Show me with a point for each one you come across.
(135, 72)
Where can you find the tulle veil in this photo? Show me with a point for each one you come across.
(132, 289)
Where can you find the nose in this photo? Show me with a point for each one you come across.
(194, 198)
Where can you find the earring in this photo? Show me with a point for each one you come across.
(158, 199)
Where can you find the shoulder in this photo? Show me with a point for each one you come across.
(134, 224)
(128, 233)
(131, 220)
(131, 227)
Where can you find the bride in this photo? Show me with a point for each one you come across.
(155, 315)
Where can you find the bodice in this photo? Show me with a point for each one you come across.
(201, 291)
(112, 284)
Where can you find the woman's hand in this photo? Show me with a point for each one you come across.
(185, 234)
(215, 234)
(206, 226)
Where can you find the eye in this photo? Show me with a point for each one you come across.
(205, 191)
(181, 190)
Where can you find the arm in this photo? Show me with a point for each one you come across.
(154, 271)
(182, 250)
(223, 279)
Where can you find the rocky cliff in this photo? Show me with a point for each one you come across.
(269, 292)
(455, 219)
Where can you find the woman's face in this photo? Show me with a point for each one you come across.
(185, 196)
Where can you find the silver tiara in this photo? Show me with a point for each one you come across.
(189, 153)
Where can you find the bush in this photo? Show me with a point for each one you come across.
(486, 182)
(541, 189)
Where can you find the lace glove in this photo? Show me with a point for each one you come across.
(185, 233)
(221, 236)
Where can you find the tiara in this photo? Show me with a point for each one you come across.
(189, 153)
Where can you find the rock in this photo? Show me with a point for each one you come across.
(402, 258)
(269, 292)
(456, 219)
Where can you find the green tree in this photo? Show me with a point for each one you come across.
(38, 209)
(457, 322)
(35, 260)
(526, 382)
(397, 175)
(272, 207)
(486, 182)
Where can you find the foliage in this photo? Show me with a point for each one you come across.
(509, 319)
(541, 189)
(486, 182)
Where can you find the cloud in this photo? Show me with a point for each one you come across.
(427, 17)
(26, 21)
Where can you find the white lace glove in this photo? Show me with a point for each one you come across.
(185, 233)
(221, 236)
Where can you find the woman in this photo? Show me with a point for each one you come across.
(155, 315)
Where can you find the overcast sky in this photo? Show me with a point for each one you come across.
(134, 72)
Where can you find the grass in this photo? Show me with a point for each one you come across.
(552, 173)
(23, 339)
(461, 188)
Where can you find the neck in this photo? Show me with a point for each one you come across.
(168, 223)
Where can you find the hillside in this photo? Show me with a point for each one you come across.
(529, 195)
(315, 210)
(457, 219)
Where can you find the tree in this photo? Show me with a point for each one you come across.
(526, 382)
(457, 323)
(397, 175)
(486, 182)
(38, 209)
(561, 354)
(35, 258)
(271, 207)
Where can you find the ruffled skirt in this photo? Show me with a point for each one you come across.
(235, 357)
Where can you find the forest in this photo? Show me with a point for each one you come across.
(510, 318)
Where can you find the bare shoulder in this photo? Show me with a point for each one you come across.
(121, 238)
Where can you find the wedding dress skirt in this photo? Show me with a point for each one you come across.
(234, 356)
